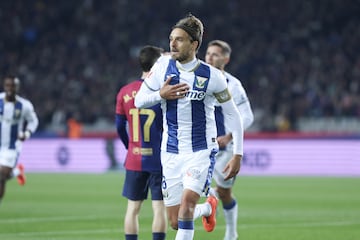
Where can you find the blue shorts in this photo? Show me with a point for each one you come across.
(137, 185)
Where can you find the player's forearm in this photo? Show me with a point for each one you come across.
(32, 123)
(246, 114)
(146, 97)
(235, 126)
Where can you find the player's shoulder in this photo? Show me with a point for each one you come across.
(134, 85)
(163, 59)
(232, 79)
(24, 101)
(214, 72)
(2, 95)
(157, 71)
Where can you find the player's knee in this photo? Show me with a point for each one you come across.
(133, 207)
(5, 173)
(2, 177)
(2, 185)
(224, 193)
(173, 220)
(174, 225)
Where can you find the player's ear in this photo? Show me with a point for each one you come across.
(195, 45)
(17, 83)
(227, 60)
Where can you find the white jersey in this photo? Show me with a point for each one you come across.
(13, 116)
(236, 89)
(189, 122)
(241, 101)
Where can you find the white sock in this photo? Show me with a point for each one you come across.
(184, 234)
(213, 192)
(231, 216)
(185, 231)
(203, 209)
(15, 172)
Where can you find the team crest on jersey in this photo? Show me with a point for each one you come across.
(136, 151)
(200, 82)
(17, 113)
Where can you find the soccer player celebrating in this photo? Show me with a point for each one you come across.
(218, 55)
(18, 121)
(143, 166)
(187, 89)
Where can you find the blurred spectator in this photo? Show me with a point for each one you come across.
(297, 58)
(74, 126)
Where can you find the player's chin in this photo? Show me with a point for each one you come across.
(174, 55)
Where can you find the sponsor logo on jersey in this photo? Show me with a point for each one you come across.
(142, 151)
(195, 95)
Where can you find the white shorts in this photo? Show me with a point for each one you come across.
(222, 158)
(186, 171)
(8, 157)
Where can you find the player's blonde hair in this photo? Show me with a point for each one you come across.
(225, 47)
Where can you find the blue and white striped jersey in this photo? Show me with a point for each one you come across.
(13, 116)
(189, 122)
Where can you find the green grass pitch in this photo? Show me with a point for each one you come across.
(90, 206)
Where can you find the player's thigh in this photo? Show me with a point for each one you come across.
(198, 171)
(192, 171)
(172, 178)
(8, 158)
(136, 185)
(222, 159)
(155, 185)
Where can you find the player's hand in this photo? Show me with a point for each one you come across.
(232, 167)
(22, 136)
(172, 92)
(224, 140)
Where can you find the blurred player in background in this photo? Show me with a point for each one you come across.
(218, 55)
(142, 140)
(18, 121)
(187, 89)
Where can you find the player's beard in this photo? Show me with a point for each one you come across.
(181, 56)
(10, 96)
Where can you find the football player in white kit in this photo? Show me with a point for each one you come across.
(218, 55)
(18, 121)
(188, 89)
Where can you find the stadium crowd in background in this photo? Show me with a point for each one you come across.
(297, 58)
